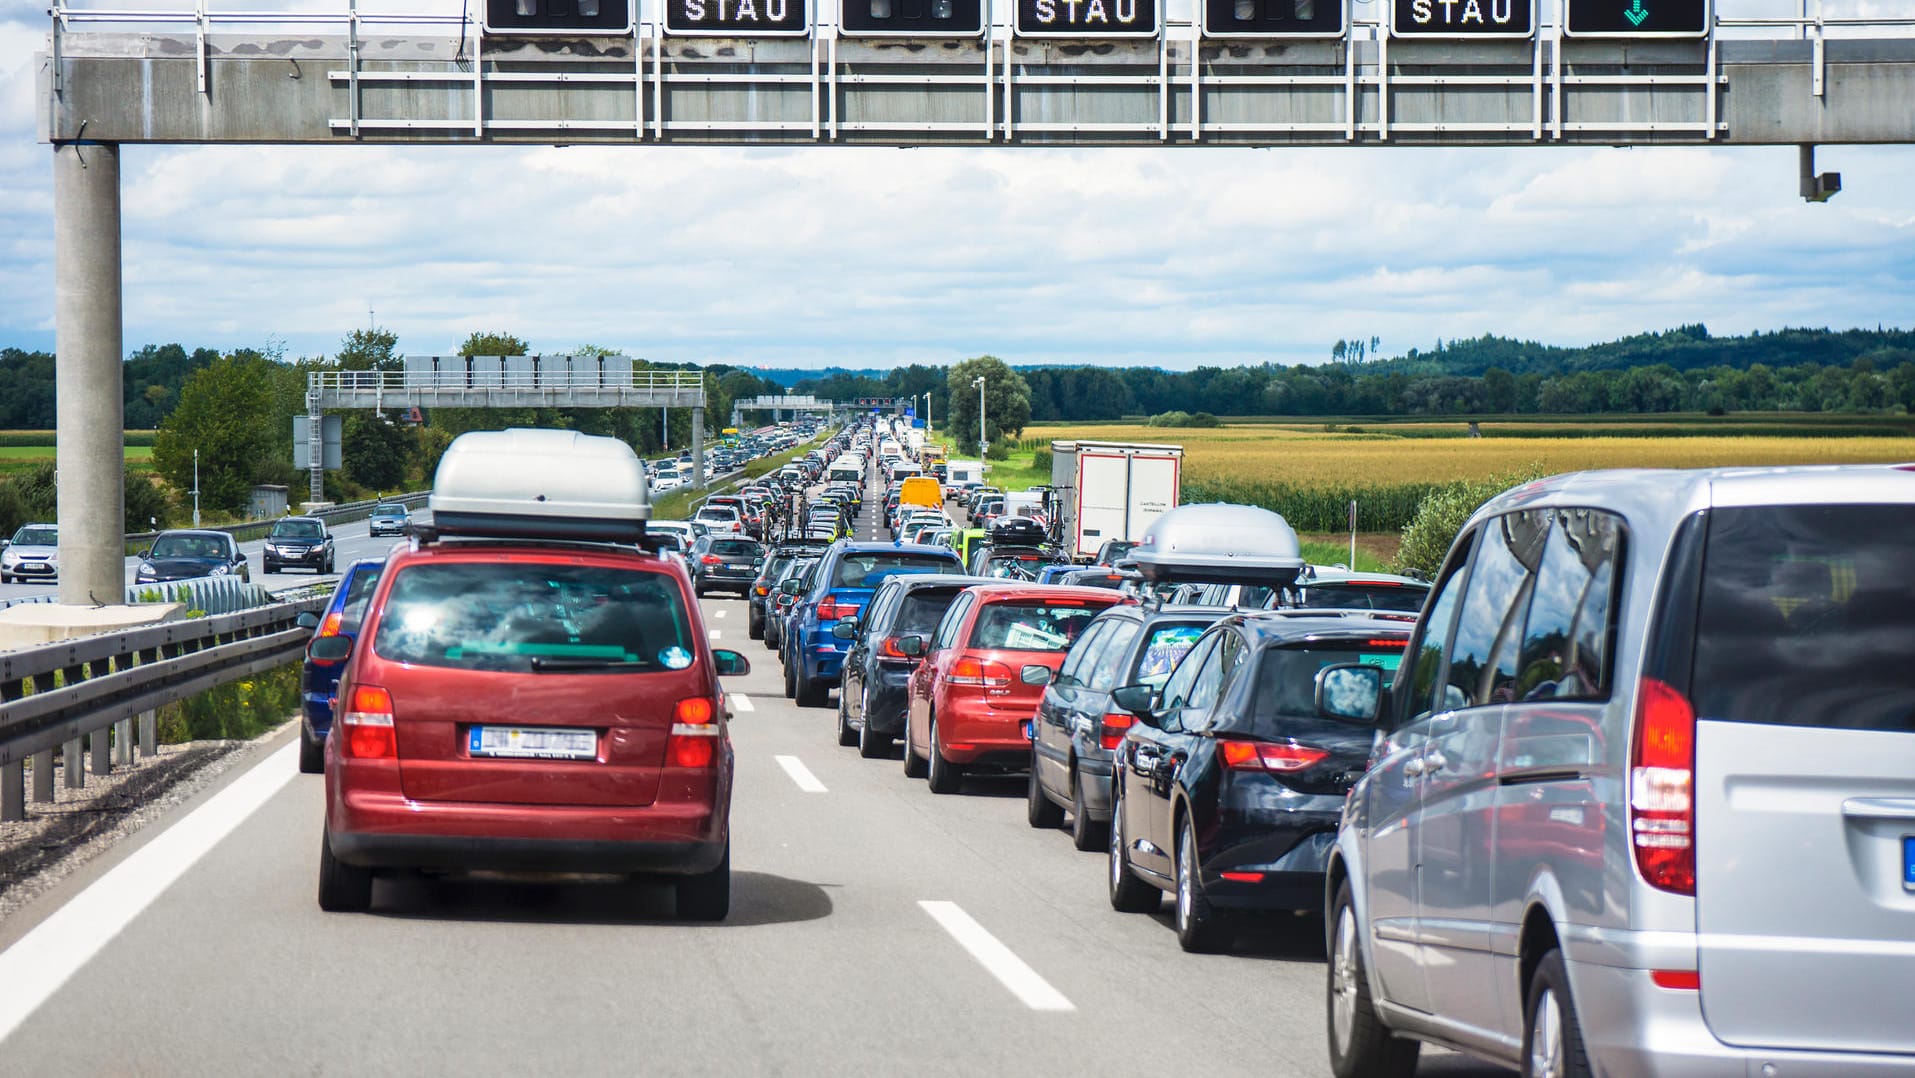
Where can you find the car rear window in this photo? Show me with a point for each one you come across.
(358, 591)
(1804, 617)
(924, 608)
(1287, 676)
(502, 616)
(867, 570)
(1034, 626)
(1396, 597)
(1167, 644)
(735, 548)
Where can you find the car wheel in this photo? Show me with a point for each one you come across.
(1128, 894)
(271, 568)
(791, 682)
(1361, 1046)
(1552, 1037)
(1199, 928)
(872, 745)
(312, 753)
(706, 896)
(945, 777)
(754, 626)
(914, 767)
(343, 888)
(1087, 835)
(1039, 810)
(813, 692)
(847, 736)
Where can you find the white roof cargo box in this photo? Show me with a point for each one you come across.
(1216, 543)
(540, 484)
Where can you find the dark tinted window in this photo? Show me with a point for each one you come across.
(1177, 690)
(477, 616)
(32, 536)
(1113, 661)
(865, 570)
(1287, 676)
(189, 546)
(298, 529)
(390, 510)
(1088, 647)
(1424, 690)
(1399, 597)
(1565, 650)
(1488, 635)
(1031, 626)
(358, 592)
(741, 549)
(924, 608)
(1805, 616)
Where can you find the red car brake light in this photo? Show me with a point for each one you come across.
(1110, 731)
(694, 737)
(368, 723)
(1662, 763)
(1269, 756)
(709, 559)
(973, 671)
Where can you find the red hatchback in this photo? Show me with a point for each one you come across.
(970, 700)
(532, 706)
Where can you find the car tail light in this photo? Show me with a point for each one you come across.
(1242, 877)
(694, 738)
(1269, 756)
(970, 671)
(332, 624)
(1676, 978)
(709, 559)
(761, 589)
(832, 608)
(888, 648)
(1110, 733)
(368, 723)
(1662, 763)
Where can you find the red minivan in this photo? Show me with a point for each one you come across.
(970, 699)
(533, 705)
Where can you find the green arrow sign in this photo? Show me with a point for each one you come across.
(1635, 14)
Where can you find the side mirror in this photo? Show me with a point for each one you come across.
(330, 649)
(911, 646)
(791, 587)
(147, 553)
(730, 663)
(845, 628)
(1139, 700)
(1035, 674)
(307, 620)
(1352, 692)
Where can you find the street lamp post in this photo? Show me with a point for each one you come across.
(983, 446)
(195, 488)
(927, 415)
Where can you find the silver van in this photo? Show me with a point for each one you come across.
(1643, 797)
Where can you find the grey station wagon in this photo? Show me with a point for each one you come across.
(1643, 798)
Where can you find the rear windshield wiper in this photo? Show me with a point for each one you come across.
(547, 664)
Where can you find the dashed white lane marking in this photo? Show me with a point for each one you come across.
(711, 634)
(1011, 971)
(718, 613)
(44, 959)
(801, 774)
(741, 702)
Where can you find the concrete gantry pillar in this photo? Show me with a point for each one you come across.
(698, 449)
(90, 415)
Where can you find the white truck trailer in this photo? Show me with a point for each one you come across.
(1111, 490)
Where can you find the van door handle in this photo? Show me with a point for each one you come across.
(1414, 768)
(1880, 808)
(1434, 760)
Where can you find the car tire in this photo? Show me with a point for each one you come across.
(1200, 929)
(847, 735)
(872, 745)
(706, 896)
(1039, 810)
(943, 776)
(1128, 894)
(1087, 835)
(914, 766)
(791, 682)
(270, 567)
(754, 626)
(1552, 1036)
(343, 888)
(1361, 1046)
(813, 692)
(312, 753)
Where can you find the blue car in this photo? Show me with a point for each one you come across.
(841, 585)
(318, 678)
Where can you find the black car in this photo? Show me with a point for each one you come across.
(724, 563)
(184, 554)
(1077, 727)
(780, 602)
(1011, 562)
(876, 675)
(299, 542)
(1228, 789)
(769, 570)
(319, 678)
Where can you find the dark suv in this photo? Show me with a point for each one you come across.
(724, 563)
(299, 542)
(876, 680)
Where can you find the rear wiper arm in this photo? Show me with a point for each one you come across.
(546, 664)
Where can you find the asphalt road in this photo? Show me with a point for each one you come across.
(831, 962)
(350, 540)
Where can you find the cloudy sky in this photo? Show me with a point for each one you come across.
(872, 257)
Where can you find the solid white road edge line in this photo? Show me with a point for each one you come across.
(44, 959)
(1011, 971)
(801, 774)
(741, 702)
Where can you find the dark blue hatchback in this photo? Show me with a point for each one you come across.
(842, 586)
(319, 679)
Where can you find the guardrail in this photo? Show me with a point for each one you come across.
(92, 688)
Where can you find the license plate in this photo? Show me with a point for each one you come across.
(1908, 862)
(533, 743)
(739, 568)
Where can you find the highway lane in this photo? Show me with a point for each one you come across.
(350, 540)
